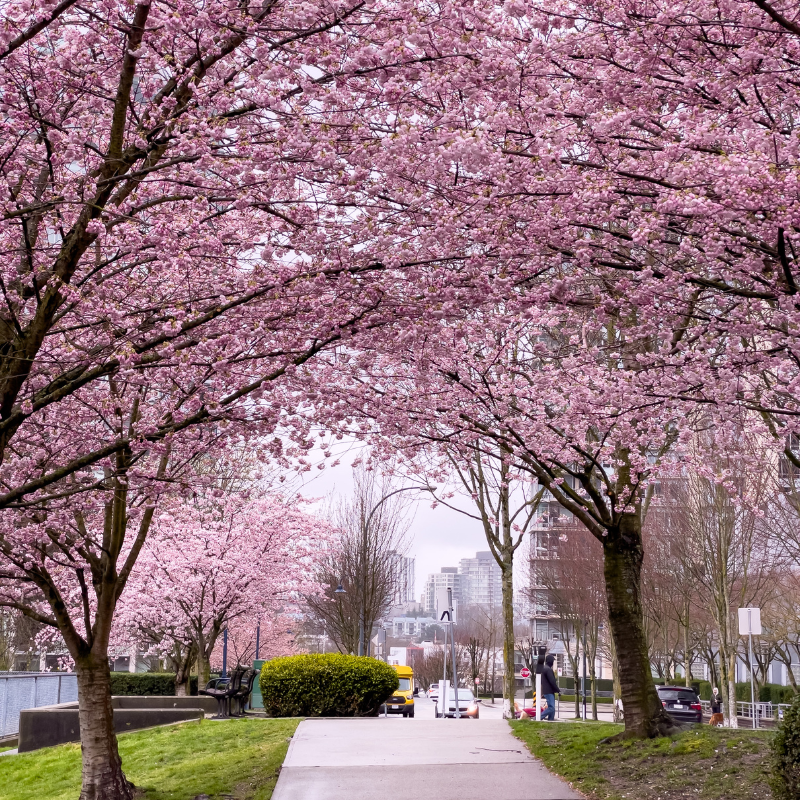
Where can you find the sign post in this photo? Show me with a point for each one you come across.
(446, 610)
(525, 674)
(539, 668)
(750, 623)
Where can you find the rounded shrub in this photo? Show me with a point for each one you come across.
(331, 685)
(786, 755)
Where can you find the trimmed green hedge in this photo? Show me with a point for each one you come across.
(785, 780)
(769, 692)
(146, 683)
(603, 684)
(331, 685)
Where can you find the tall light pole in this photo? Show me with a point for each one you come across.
(338, 592)
(364, 532)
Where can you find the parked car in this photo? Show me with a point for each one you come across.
(467, 705)
(681, 703)
(433, 691)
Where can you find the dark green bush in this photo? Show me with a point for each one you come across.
(331, 685)
(603, 684)
(704, 689)
(778, 693)
(146, 683)
(785, 780)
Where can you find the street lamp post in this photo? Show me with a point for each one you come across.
(364, 532)
(583, 679)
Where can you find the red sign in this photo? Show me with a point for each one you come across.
(525, 672)
(477, 681)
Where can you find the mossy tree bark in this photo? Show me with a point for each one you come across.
(623, 555)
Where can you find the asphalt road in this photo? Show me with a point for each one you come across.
(424, 757)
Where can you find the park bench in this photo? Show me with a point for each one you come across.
(233, 692)
(240, 699)
(223, 689)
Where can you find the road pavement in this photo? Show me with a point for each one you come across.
(424, 757)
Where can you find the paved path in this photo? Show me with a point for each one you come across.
(372, 759)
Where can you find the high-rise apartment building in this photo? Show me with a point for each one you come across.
(448, 578)
(405, 591)
(481, 580)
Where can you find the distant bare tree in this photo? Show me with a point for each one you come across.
(575, 584)
(365, 560)
(430, 668)
(504, 502)
(475, 632)
(729, 543)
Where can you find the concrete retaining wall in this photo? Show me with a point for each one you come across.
(57, 724)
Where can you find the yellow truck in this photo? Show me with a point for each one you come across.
(402, 701)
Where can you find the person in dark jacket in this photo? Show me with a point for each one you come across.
(549, 688)
(716, 708)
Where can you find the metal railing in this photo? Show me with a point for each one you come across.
(766, 714)
(21, 690)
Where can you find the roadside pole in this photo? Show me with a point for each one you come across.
(750, 623)
(539, 667)
(453, 650)
(442, 698)
(583, 677)
(752, 686)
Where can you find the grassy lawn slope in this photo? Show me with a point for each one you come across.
(238, 758)
(701, 763)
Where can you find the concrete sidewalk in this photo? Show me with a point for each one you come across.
(367, 759)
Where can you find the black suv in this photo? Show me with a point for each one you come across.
(681, 703)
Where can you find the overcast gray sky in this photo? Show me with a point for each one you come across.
(440, 537)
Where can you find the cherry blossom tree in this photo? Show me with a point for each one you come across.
(215, 563)
(176, 250)
(633, 186)
(273, 633)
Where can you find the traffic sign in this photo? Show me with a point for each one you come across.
(525, 672)
(477, 681)
(750, 621)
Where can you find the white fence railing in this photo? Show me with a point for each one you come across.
(768, 713)
(21, 690)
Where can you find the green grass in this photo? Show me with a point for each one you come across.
(701, 762)
(240, 758)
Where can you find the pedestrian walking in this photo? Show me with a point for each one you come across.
(716, 708)
(549, 688)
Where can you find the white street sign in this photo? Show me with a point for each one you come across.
(750, 621)
(442, 604)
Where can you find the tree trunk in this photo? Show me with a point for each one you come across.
(103, 778)
(733, 717)
(623, 554)
(182, 660)
(687, 661)
(509, 679)
(203, 664)
(615, 679)
(575, 662)
(593, 679)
